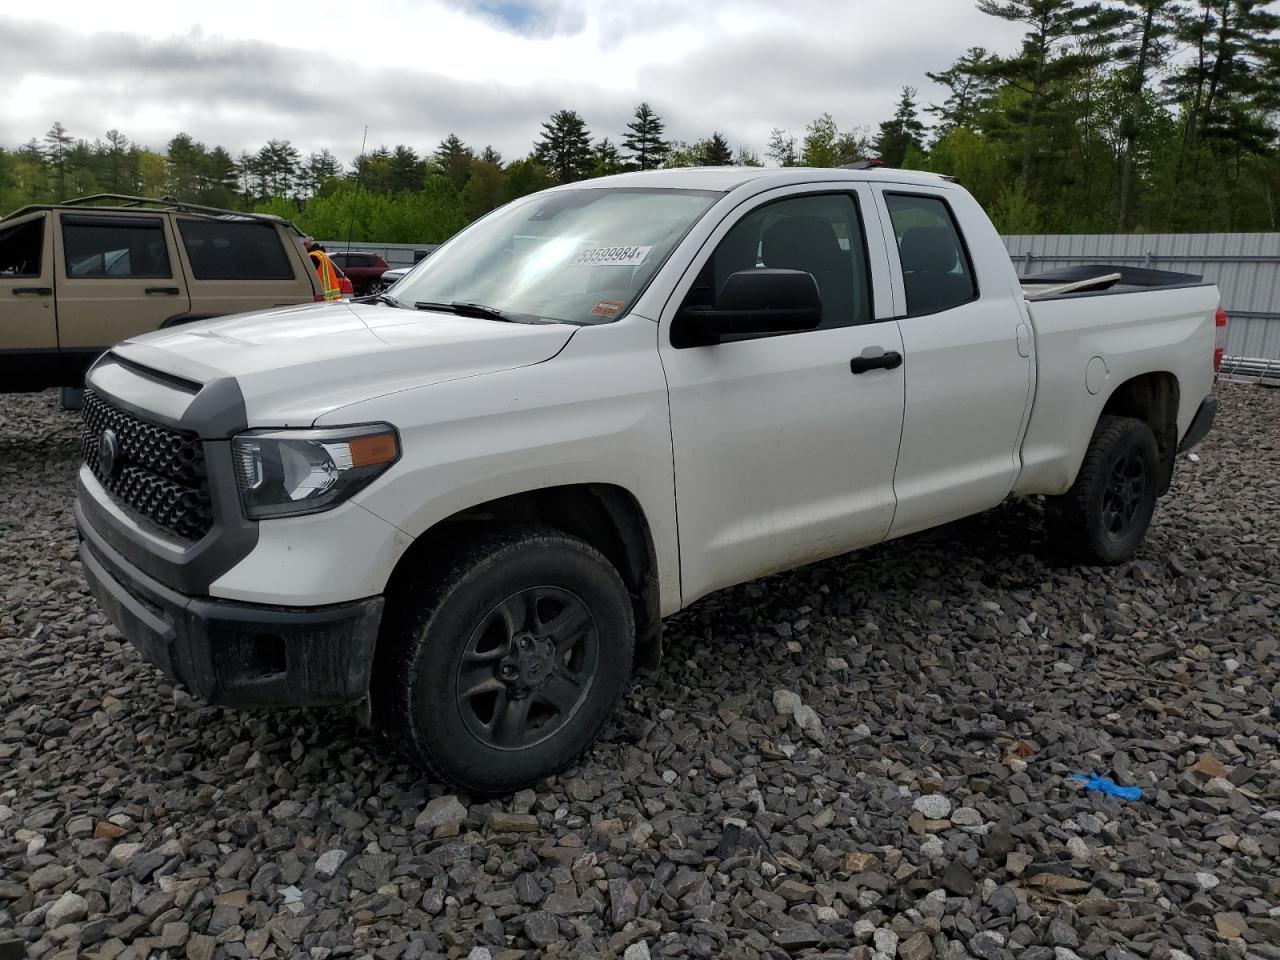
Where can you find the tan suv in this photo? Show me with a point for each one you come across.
(79, 276)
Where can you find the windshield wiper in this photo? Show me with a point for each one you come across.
(383, 298)
(464, 308)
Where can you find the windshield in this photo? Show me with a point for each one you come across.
(575, 256)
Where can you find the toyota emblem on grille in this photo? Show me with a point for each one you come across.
(108, 453)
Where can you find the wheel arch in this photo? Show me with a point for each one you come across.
(607, 516)
(1153, 398)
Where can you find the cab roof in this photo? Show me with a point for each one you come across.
(725, 179)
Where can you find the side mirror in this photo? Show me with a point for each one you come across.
(756, 302)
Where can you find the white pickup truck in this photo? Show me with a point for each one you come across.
(467, 505)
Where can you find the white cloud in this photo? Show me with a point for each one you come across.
(489, 70)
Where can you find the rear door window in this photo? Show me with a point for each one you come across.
(936, 269)
(20, 248)
(234, 250)
(115, 247)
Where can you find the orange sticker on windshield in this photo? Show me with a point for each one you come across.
(607, 308)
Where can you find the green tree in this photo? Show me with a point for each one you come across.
(57, 143)
(565, 146)
(605, 159)
(184, 160)
(1143, 45)
(902, 132)
(782, 148)
(647, 149)
(483, 190)
(490, 155)
(714, 151)
(970, 83)
(319, 169)
(119, 164)
(454, 158)
(523, 177)
(405, 170)
(218, 179)
(1048, 61)
(826, 146)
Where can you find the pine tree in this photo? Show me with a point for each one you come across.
(184, 158)
(320, 169)
(901, 132)
(644, 139)
(490, 155)
(57, 143)
(454, 158)
(605, 159)
(119, 173)
(565, 146)
(1143, 43)
(218, 178)
(1046, 63)
(715, 151)
(405, 170)
(970, 85)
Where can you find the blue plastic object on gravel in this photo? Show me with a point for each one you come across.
(1106, 785)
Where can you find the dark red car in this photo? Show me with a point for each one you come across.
(363, 269)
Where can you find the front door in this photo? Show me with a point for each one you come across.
(118, 277)
(28, 317)
(783, 454)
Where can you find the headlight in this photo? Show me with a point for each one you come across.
(284, 473)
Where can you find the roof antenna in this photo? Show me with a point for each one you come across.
(355, 199)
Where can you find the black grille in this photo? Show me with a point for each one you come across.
(158, 472)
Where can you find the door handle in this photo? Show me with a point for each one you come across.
(33, 291)
(169, 291)
(888, 360)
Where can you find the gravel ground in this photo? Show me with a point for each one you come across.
(869, 757)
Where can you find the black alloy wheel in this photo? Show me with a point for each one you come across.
(527, 667)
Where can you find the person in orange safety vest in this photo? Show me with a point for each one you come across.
(324, 267)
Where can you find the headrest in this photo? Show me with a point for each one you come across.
(800, 242)
(928, 250)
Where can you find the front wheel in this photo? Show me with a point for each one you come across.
(504, 669)
(1104, 517)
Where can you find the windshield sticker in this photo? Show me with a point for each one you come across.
(612, 256)
(607, 308)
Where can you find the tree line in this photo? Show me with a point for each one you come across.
(1130, 115)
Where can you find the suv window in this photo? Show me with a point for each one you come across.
(936, 270)
(345, 260)
(821, 235)
(115, 247)
(20, 248)
(234, 250)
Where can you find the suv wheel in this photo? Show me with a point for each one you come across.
(503, 670)
(1104, 517)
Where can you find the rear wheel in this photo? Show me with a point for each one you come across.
(504, 669)
(1105, 515)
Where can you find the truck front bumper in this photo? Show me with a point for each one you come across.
(236, 654)
(1200, 423)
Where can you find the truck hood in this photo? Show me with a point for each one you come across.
(296, 364)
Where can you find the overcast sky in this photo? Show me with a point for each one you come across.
(236, 73)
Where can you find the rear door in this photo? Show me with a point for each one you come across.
(28, 316)
(968, 357)
(235, 266)
(118, 276)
